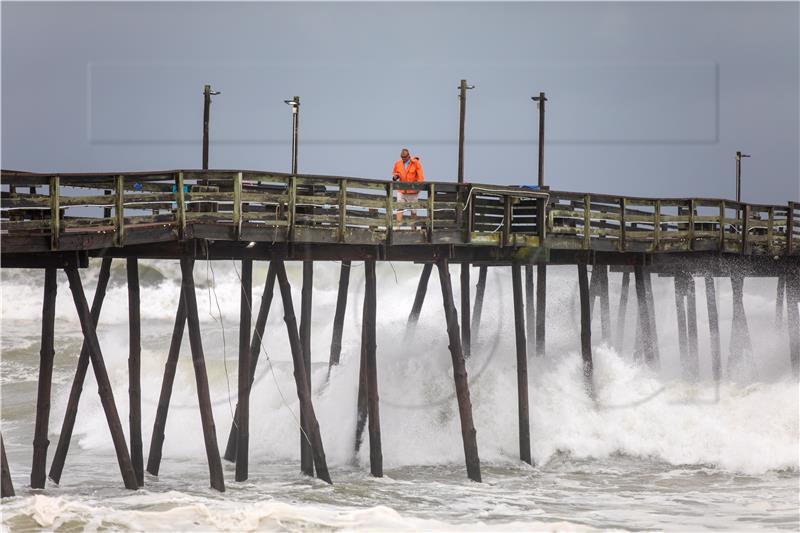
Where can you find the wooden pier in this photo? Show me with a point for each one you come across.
(59, 221)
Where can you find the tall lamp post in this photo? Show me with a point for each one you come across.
(208, 92)
(541, 268)
(739, 156)
(294, 103)
(466, 334)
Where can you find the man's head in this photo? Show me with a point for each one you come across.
(404, 154)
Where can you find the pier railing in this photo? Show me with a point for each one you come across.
(100, 210)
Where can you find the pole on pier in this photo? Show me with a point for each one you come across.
(135, 369)
(294, 103)
(338, 317)
(208, 92)
(586, 329)
(375, 453)
(530, 309)
(713, 327)
(466, 340)
(622, 310)
(644, 315)
(680, 309)
(157, 439)
(245, 370)
(605, 304)
(6, 485)
(201, 376)
(419, 299)
(255, 351)
(740, 332)
(101, 375)
(793, 319)
(310, 426)
(477, 311)
(541, 307)
(306, 455)
(468, 433)
(739, 156)
(46, 355)
(522, 365)
(60, 456)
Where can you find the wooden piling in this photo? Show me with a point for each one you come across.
(586, 329)
(780, 297)
(419, 299)
(135, 369)
(466, 337)
(311, 427)
(740, 332)
(605, 305)
(468, 433)
(691, 323)
(306, 457)
(157, 439)
(522, 364)
(245, 369)
(541, 306)
(361, 397)
(6, 485)
(201, 377)
(60, 456)
(338, 317)
(653, 336)
(530, 309)
(680, 310)
(101, 375)
(46, 355)
(793, 319)
(622, 310)
(644, 315)
(477, 310)
(369, 338)
(255, 351)
(713, 327)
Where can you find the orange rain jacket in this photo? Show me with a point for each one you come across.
(412, 172)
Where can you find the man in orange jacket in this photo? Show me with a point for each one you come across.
(407, 169)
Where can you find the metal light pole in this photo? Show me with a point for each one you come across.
(208, 92)
(540, 100)
(295, 105)
(739, 156)
(541, 268)
(462, 97)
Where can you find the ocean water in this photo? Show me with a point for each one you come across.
(651, 451)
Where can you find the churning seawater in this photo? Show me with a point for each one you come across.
(653, 451)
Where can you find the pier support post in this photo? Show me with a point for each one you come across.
(46, 355)
(793, 319)
(6, 485)
(605, 305)
(477, 311)
(530, 310)
(713, 327)
(310, 426)
(740, 332)
(60, 456)
(338, 318)
(780, 297)
(369, 339)
(466, 337)
(245, 370)
(541, 306)
(522, 364)
(361, 397)
(680, 310)
(255, 351)
(201, 376)
(306, 456)
(101, 375)
(586, 330)
(135, 368)
(653, 337)
(622, 310)
(691, 323)
(645, 335)
(468, 433)
(157, 439)
(419, 299)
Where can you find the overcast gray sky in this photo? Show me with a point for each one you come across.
(644, 98)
